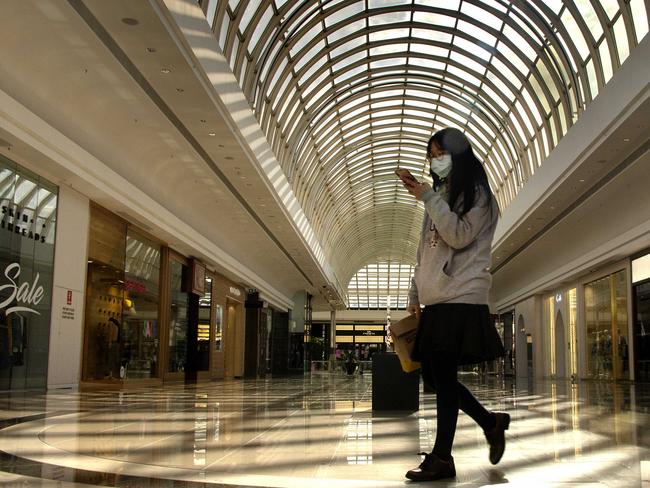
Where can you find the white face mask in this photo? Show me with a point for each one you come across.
(441, 166)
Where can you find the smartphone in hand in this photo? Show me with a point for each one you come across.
(406, 176)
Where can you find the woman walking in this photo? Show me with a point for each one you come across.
(452, 281)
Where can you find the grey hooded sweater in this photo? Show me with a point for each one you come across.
(454, 254)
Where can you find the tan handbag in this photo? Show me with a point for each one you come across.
(403, 336)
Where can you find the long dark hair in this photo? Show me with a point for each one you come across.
(467, 173)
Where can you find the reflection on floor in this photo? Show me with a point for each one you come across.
(319, 431)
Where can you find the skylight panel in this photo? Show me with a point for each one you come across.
(418, 66)
(480, 14)
(259, 28)
(517, 40)
(345, 48)
(476, 68)
(347, 29)
(305, 39)
(392, 48)
(307, 89)
(383, 63)
(389, 18)
(611, 7)
(388, 34)
(434, 19)
(575, 34)
(620, 33)
(312, 56)
(348, 61)
(640, 18)
(432, 34)
(383, 104)
(440, 52)
(251, 8)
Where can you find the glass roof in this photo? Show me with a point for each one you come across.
(348, 90)
(380, 286)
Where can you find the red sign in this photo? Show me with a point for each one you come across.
(135, 286)
(69, 297)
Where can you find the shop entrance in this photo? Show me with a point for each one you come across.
(560, 347)
(642, 330)
(529, 356)
(179, 320)
(606, 327)
(191, 320)
(233, 340)
(508, 321)
(122, 326)
(205, 328)
(521, 359)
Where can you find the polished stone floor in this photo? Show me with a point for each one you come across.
(316, 432)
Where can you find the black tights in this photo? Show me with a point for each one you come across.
(441, 371)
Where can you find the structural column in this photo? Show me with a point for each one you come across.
(332, 341)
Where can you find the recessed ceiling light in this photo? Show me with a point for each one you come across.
(626, 139)
(212, 134)
(165, 71)
(581, 180)
(130, 21)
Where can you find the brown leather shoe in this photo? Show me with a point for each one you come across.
(432, 468)
(496, 436)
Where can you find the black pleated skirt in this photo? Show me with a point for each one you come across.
(466, 331)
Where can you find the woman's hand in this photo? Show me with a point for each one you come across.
(414, 308)
(416, 188)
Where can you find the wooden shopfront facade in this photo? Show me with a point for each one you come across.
(154, 315)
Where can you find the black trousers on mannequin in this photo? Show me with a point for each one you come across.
(441, 372)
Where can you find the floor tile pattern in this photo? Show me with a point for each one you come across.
(318, 431)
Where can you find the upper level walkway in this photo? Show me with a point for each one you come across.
(319, 431)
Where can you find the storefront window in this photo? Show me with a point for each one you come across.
(103, 321)
(140, 308)
(560, 340)
(203, 332)
(642, 330)
(122, 301)
(552, 345)
(573, 332)
(218, 336)
(606, 326)
(27, 230)
(178, 322)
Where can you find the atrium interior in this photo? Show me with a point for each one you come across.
(204, 241)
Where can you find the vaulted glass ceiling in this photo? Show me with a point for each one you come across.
(348, 90)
